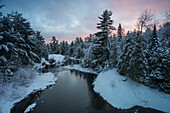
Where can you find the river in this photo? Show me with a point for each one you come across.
(72, 93)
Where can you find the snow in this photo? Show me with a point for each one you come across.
(42, 64)
(34, 54)
(57, 57)
(1, 37)
(15, 93)
(79, 68)
(30, 107)
(5, 47)
(3, 59)
(44, 61)
(73, 58)
(124, 93)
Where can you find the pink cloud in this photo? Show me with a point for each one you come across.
(127, 11)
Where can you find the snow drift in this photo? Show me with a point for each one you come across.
(15, 94)
(124, 93)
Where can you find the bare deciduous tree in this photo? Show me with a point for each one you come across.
(145, 18)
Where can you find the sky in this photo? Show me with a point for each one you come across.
(68, 19)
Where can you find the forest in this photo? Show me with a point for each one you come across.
(141, 54)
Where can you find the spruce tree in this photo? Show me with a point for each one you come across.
(71, 49)
(124, 64)
(120, 32)
(158, 61)
(119, 42)
(54, 45)
(113, 60)
(138, 62)
(133, 61)
(41, 48)
(153, 52)
(164, 34)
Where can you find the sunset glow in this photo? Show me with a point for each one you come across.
(67, 19)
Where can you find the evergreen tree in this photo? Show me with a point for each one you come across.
(100, 49)
(49, 48)
(123, 65)
(153, 51)
(79, 53)
(64, 48)
(133, 61)
(158, 61)
(119, 42)
(89, 38)
(164, 34)
(71, 49)
(41, 48)
(54, 45)
(113, 60)
(120, 32)
(138, 62)
(19, 42)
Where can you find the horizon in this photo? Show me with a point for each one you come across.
(67, 20)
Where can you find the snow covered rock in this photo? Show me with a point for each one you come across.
(56, 59)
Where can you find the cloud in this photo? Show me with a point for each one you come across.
(67, 19)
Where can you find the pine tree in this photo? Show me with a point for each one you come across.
(100, 49)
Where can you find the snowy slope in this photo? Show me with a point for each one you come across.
(39, 82)
(124, 94)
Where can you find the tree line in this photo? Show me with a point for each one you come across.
(142, 54)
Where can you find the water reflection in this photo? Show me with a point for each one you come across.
(73, 93)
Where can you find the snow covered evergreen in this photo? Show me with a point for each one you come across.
(99, 57)
(20, 44)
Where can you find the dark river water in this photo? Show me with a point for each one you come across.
(72, 93)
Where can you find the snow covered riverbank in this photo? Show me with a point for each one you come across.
(79, 68)
(15, 93)
(57, 59)
(124, 93)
